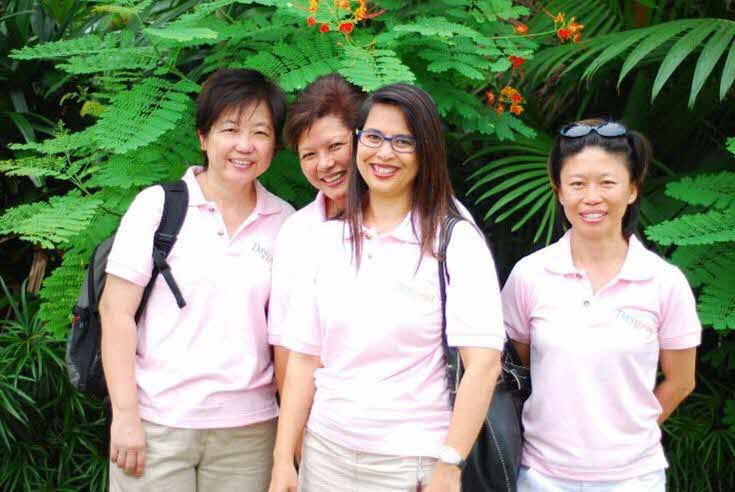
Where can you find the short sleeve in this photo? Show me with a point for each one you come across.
(285, 273)
(131, 255)
(680, 327)
(515, 307)
(474, 314)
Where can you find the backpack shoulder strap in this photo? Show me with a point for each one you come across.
(175, 205)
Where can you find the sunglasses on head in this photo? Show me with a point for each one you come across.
(607, 129)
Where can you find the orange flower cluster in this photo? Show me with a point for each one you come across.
(566, 30)
(508, 95)
(345, 26)
(521, 28)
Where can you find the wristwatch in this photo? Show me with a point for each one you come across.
(450, 456)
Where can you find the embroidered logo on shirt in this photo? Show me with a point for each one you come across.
(262, 252)
(645, 326)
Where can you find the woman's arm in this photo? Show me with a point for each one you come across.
(482, 367)
(296, 400)
(678, 367)
(118, 305)
(280, 359)
(523, 350)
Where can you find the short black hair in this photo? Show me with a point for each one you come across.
(234, 89)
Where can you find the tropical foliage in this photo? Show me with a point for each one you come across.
(99, 104)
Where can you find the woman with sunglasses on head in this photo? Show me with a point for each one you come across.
(191, 387)
(594, 315)
(367, 367)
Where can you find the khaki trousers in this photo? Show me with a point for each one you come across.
(202, 460)
(329, 467)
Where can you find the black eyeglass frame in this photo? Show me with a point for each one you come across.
(390, 140)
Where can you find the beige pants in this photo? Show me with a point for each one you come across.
(205, 460)
(329, 467)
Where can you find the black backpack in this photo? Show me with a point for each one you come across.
(83, 358)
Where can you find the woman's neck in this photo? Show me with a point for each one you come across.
(333, 207)
(227, 194)
(383, 213)
(595, 253)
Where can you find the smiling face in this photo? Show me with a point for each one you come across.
(325, 150)
(240, 144)
(385, 171)
(595, 190)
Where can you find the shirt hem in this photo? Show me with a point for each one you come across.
(210, 423)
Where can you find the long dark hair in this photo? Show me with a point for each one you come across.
(432, 196)
(635, 149)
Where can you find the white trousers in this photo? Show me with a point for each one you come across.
(329, 467)
(530, 480)
(205, 460)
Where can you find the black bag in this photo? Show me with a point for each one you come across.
(83, 358)
(494, 461)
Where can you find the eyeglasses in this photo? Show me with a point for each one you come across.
(607, 129)
(374, 139)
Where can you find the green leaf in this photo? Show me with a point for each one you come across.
(658, 36)
(728, 73)
(711, 227)
(681, 49)
(716, 190)
(178, 34)
(370, 69)
(711, 54)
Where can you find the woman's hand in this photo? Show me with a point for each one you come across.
(446, 478)
(283, 478)
(127, 443)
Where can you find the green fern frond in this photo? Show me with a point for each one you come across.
(437, 27)
(717, 190)
(711, 227)
(86, 45)
(178, 35)
(142, 58)
(702, 263)
(451, 99)
(62, 143)
(731, 145)
(51, 224)
(43, 166)
(141, 115)
(370, 69)
(296, 65)
(492, 10)
(717, 302)
(125, 8)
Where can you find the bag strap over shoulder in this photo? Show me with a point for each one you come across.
(454, 364)
(175, 205)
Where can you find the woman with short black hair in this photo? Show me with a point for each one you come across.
(192, 391)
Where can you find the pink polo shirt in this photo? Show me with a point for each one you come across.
(207, 365)
(592, 413)
(382, 387)
(294, 243)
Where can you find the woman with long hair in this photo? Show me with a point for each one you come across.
(192, 391)
(594, 315)
(367, 368)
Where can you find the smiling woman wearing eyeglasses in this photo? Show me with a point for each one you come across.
(594, 315)
(366, 373)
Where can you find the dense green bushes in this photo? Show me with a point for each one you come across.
(110, 86)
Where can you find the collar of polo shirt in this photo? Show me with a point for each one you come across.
(265, 203)
(636, 267)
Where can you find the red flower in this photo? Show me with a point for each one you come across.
(577, 37)
(563, 34)
(311, 21)
(324, 28)
(516, 61)
(521, 28)
(516, 98)
(516, 109)
(490, 97)
(500, 109)
(346, 27)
